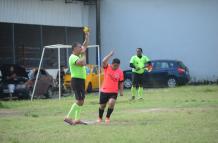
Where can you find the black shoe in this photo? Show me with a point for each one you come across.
(80, 122)
(68, 121)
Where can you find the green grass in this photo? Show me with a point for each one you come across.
(180, 115)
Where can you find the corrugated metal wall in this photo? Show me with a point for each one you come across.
(43, 12)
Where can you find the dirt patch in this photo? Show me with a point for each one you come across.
(153, 110)
(8, 112)
(168, 110)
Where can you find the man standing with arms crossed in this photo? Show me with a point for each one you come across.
(77, 62)
(139, 63)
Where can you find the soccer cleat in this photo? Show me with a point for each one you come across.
(99, 120)
(76, 122)
(107, 120)
(83, 123)
(68, 121)
(140, 98)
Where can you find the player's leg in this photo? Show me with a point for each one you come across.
(111, 104)
(75, 109)
(80, 100)
(140, 89)
(102, 104)
(134, 83)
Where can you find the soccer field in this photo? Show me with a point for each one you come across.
(186, 114)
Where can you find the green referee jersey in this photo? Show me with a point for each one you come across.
(139, 63)
(76, 70)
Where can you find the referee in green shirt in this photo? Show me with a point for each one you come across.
(138, 63)
(77, 62)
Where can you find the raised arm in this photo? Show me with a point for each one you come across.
(81, 61)
(106, 58)
(86, 42)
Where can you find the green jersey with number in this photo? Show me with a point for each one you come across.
(76, 70)
(139, 63)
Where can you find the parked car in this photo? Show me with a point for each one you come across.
(44, 86)
(92, 78)
(168, 73)
(21, 77)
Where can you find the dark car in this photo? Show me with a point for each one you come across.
(168, 73)
(21, 77)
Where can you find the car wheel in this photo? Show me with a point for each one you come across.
(49, 92)
(127, 83)
(89, 88)
(171, 82)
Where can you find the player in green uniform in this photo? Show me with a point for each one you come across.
(139, 63)
(77, 62)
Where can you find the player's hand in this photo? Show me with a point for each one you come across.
(149, 68)
(138, 68)
(111, 53)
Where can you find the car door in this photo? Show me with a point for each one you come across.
(43, 82)
(159, 74)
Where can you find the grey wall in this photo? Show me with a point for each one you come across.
(186, 30)
(43, 12)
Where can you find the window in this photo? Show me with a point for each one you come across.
(171, 64)
(27, 44)
(53, 35)
(23, 43)
(164, 65)
(6, 43)
(87, 70)
(95, 70)
(160, 65)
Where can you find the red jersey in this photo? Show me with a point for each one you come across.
(111, 79)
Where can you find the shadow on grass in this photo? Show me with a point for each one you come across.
(28, 114)
(209, 90)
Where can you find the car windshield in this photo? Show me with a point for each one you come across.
(87, 70)
(68, 71)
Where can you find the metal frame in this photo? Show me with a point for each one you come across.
(61, 46)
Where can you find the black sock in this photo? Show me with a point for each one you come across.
(109, 112)
(100, 112)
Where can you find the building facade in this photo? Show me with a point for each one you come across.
(26, 26)
(185, 30)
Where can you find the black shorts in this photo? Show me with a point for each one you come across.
(137, 79)
(78, 86)
(104, 97)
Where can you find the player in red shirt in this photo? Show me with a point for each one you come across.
(113, 81)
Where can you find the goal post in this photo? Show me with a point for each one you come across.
(58, 47)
